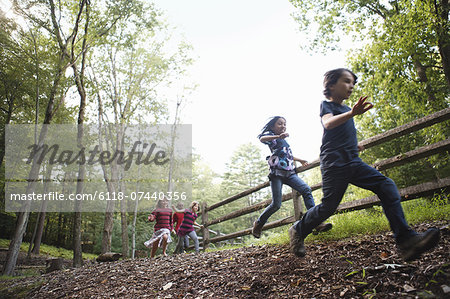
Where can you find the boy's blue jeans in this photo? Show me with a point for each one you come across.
(334, 184)
(276, 184)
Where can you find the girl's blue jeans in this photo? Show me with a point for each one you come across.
(183, 240)
(276, 184)
(181, 245)
(335, 181)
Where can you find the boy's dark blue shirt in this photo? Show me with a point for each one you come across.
(339, 145)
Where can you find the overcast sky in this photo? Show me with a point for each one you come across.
(249, 67)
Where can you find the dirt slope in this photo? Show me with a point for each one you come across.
(362, 267)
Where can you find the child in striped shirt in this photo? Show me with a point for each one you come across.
(187, 226)
(161, 237)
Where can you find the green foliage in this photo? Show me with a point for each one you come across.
(26, 68)
(205, 184)
(246, 169)
(373, 221)
(128, 56)
(436, 208)
(279, 237)
(144, 231)
(48, 250)
(400, 55)
(398, 60)
(369, 221)
(18, 292)
(131, 61)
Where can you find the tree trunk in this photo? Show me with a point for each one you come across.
(30, 246)
(109, 213)
(107, 227)
(77, 249)
(109, 220)
(47, 225)
(10, 110)
(444, 37)
(14, 245)
(67, 227)
(79, 82)
(123, 219)
(2, 134)
(133, 229)
(421, 73)
(40, 229)
(40, 217)
(59, 234)
(37, 235)
(444, 49)
(22, 221)
(124, 222)
(133, 234)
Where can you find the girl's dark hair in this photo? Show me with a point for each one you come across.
(331, 77)
(268, 127)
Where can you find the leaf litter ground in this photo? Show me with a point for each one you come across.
(360, 267)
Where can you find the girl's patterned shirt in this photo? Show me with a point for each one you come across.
(178, 219)
(281, 157)
(187, 225)
(163, 218)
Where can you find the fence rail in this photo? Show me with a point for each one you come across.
(407, 193)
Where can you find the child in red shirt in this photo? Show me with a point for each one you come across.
(178, 219)
(187, 227)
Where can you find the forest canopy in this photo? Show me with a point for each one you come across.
(105, 62)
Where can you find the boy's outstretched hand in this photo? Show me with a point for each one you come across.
(361, 106)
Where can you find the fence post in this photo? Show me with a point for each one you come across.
(205, 229)
(298, 207)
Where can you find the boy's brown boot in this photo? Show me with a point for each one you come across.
(297, 245)
(257, 228)
(323, 227)
(412, 248)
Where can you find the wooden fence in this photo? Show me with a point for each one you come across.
(408, 193)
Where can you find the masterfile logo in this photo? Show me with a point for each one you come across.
(52, 166)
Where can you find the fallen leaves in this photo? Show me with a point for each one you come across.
(368, 266)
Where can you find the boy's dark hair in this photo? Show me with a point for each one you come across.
(269, 125)
(331, 77)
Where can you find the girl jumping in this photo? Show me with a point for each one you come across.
(161, 237)
(282, 171)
